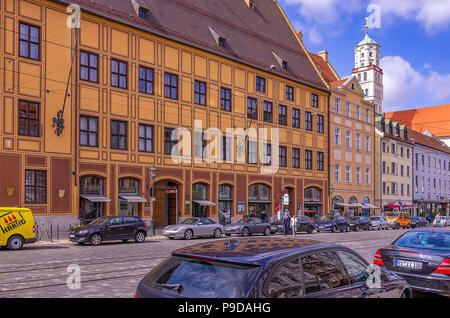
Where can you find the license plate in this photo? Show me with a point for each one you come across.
(408, 264)
(71, 235)
(321, 227)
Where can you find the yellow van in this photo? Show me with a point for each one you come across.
(16, 228)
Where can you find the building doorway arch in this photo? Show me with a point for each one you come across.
(337, 206)
(259, 203)
(166, 202)
(313, 203)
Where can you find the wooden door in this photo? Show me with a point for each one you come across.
(159, 207)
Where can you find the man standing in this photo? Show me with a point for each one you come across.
(294, 225)
(286, 223)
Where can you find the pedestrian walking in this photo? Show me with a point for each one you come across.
(286, 223)
(294, 225)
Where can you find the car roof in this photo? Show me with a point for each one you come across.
(255, 251)
(434, 229)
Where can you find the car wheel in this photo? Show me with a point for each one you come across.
(267, 231)
(357, 228)
(348, 228)
(139, 237)
(217, 233)
(310, 230)
(15, 243)
(96, 239)
(188, 234)
(379, 227)
(245, 232)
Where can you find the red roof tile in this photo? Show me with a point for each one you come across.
(324, 68)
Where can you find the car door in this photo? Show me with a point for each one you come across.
(129, 226)
(340, 224)
(361, 283)
(201, 228)
(113, 229)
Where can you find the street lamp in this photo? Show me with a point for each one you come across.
(153, 175)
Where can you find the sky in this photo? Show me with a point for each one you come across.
(414, 35)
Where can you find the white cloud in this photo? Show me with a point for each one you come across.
(403, 84)
(434, 15)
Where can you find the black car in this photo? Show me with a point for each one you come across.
(419, 222)
(269, 267)
(359, 223)
(304, 224)
(333, 224)
(422, 258)
(109, 228)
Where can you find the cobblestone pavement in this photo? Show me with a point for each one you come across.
(115, 269)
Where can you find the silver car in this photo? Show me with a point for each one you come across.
(379, 223)
(248, 226)
(194, 227)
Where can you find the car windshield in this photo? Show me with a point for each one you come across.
(195, 278)
(354, 218)
(391, 215)
(432, 240)
(375, 218)
(328, 219)
(242, 221)
(189, 221)
(99, 221)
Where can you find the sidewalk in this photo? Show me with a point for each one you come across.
(62, 241)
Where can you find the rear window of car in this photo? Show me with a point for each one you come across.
(432, 240)
(201, 278)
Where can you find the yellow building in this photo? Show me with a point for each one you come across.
(130, 74)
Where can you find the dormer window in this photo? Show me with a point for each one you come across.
(251, 4)
(143, 13)
(221, 42)
(284, 65)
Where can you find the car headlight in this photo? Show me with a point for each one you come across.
(83, 232)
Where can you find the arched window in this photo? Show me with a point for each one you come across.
(225, 203)
(259, 203)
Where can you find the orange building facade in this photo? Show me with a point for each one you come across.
(127, 88)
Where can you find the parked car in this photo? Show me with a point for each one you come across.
(440, 221)
(333, 224)
(359, 222)
(269, 267)
(248, 226)
(379, 223)
(194, 227)
(304, 224)
(422, 258)
(445, 221)
(393, 219)
(17, 228)
(110, 228)
(419, 222)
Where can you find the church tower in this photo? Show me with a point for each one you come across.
(367, 70)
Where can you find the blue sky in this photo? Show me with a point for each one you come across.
(415, 39)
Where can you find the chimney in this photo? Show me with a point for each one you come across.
(323, 55)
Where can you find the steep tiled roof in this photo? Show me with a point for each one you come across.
(324, 68)
(427, 141)
(435, 119)
(252, 36)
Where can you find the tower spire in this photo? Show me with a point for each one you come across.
(367, 25)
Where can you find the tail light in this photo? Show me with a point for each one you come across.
(135, 296)
(377, 259)
(444, 267)
(145, 225)
(34, 229)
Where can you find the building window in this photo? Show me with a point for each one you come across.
(225, 201)
(260, 84)
(146, 138)
(200, 93)
(308, 121)
(348, 108)
(221, 42)
(358, 112)
(384, 166)
(295, 158)
(337, 173)
(252, 108)
(171, 86)
(358, 175)
(119, 135)
(337, 136)
(367, 115)
(29, 119)
(226, 149)
(308, 159)
(170, 145)
(314, 100)
(320, 124)
(320, 161)
(29, 41)
(89, 67)
(337, 105)
(367, 176)
(119, 74)
(295, 118)
(252, 152)
(225, 99)
(267, 154)
(348, 139)
(393, 166)
(35, 186)
(282, 115)
(143, 13)
(88, 131)
(358, 141)
(367, 143)
(289, 93)
(348, 174)
(199, 145)
(146, 80)
(283, 156)
(268, 112)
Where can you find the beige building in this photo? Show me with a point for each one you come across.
(352, 144)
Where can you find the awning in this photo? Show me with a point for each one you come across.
(133, 198)
(392, 206)
(408, 206)
(356, 205)
(205, 203)
(370, 206)
(342, 204)
(95, 198)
